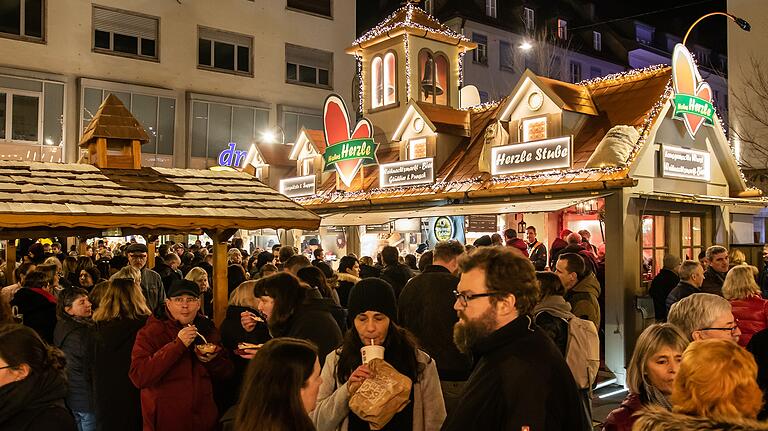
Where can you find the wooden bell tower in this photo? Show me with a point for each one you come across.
(114, 137)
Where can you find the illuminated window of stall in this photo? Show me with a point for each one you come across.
(433, 77)
(417, 149)
(691, 237)
(377, 83)
(534, 129)
(383, 88)
(307, 166)
(654, 245)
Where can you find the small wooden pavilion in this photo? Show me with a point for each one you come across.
(112, 190)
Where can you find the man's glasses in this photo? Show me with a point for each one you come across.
(732, 330)
(465, 298)
(183, 300)
(137, 256)
(8, 366)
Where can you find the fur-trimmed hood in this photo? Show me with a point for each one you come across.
(656, 419)
(343, 276)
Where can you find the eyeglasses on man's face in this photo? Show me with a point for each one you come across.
(184, 300)
(731, 329)
(137, 256)
(464, 298)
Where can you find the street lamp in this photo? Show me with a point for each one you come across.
(739, 21)
(526, 46)
(269, 136)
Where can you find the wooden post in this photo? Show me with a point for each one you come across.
(10, 261)
(150, 250)
(82, 246)
(220, 285)
(136, 150)
(101, 152)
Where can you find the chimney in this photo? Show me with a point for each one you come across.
(114, 137)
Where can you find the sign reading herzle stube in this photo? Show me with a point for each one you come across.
(298, 186)
(411, 172)
(683, 163)
(532, 156)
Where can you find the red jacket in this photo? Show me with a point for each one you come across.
(518, 244)
(752, 314)
(623, 417)
(176, 387)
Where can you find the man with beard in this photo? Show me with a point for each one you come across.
(520, 379)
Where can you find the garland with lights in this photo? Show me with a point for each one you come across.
(360, 86)
(407, 68)
(388, 26)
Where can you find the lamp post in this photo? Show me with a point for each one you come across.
(269, 137)
(739, 21)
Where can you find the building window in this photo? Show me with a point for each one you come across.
(562, 29)
(216, 124)
(294, 119)
(490, 8)
(506, 56)
(691, 237)
(528, 19)
(31, 113)
(124, 33)
(575, 71)
(429, 6)
(156, 112)
(224, 51)
(654, 245)
(595, 72)
(22, 18)
(317, 7)
(308, 66)
(480, 54)
(702, 55)
(434, 84)
(644, 33)
(417, 149)
(383, 82)
(534, 129)
(597, 41)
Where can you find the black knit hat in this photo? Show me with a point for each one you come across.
(372, 294)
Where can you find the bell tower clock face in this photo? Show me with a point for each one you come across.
(535, 100)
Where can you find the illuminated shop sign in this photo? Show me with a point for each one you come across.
(683, 163)
(298, 186)
(347, 149)
(541, 155)
(692, 101)
(443, 229)
(231, 156)
(408, 173)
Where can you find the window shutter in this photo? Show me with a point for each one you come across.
(124, 23)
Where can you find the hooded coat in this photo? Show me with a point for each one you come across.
(518, 244)
(713, 281)
(624, 417)
(583, 299)
(36, 403)
(74, 336)
(657, 419)
(39, 310)
(549, 314)
(346, 283)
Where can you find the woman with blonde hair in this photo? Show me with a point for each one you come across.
(122, 312)
(747, 304)
(650, 374)
(200, 276)
(737, 258)
(715, 389)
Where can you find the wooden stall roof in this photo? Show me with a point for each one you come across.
(114, 121)
(410, 19)
(66, 197)
(447, 119)
(276, 154)
(575, 98)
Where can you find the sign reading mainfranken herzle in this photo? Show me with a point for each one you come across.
(684, 163)
(412, 172)
(363, 149)
(533, 156)
(298, 186)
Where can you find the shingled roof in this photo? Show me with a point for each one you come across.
(113, 120)
(71, 198)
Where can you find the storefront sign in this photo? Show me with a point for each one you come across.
(443, 229)
(378, 228)
(411, 172)
(346, 151)
(298, 186)
(482, 223)
(692, 101)
(532, 156)
(684, 163)
(232, 157)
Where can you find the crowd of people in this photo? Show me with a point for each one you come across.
(501, 334)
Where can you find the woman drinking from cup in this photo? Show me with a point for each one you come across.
(373, 311)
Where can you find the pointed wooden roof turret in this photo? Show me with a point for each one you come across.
(114, 136)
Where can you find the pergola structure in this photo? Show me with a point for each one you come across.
(114, 191)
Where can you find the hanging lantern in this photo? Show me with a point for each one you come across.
(521, 226)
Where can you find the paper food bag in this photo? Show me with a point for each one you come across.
(380, 397)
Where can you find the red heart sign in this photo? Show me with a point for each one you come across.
(336, 127)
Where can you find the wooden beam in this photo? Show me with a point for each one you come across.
(220, 285)
(10, 261)
(101, 153)
(82, 246)
(150, 250)
(136, 150)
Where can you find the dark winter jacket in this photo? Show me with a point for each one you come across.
(550, 314)
(367, 271)
(758, 346)
(762, 280)
(752, 315)
(713, 282)
(518, 244)
(176, 387)
(583, 299)
(346, 283)
(152, 288)
(557, 245)
(117, 402)
(426, 309)
(682, 290)
(38, 308)
(313, 320)
(623, 417)
(520, 380)
(658, 419)
(74, 336)
(36, 403)
(662, 284)
(537, 252)
(397, 276)
(167, 274)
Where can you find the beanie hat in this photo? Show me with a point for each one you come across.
(483, 241)
(372, 294)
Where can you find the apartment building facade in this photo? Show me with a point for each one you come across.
(200, 76)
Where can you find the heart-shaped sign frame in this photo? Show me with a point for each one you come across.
(346, 151)
(692, 101)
